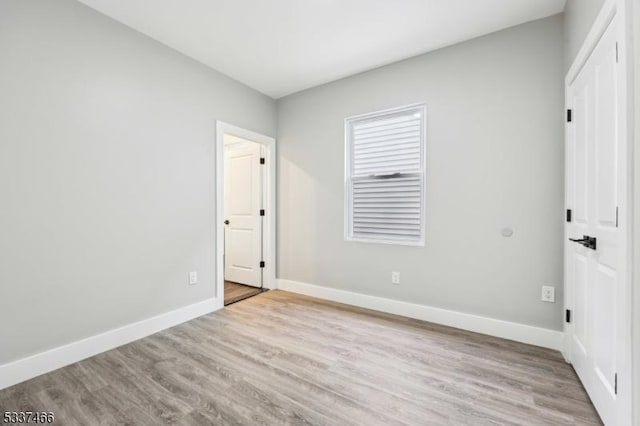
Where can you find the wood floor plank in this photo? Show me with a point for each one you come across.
(234, 292)
(280, 358)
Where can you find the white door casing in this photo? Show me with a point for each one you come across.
(596, 194)
(242, 204)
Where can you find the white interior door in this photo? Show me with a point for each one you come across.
(596, 188)
(243, 223)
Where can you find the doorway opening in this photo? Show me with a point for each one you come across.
(245, 220)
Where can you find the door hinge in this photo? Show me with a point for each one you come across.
(617, 53)
(615, 383)
(568, 215)
(262, 263)
(261, 212)
(261, 160)
(617, 216)
(567, 315)
(569, 116)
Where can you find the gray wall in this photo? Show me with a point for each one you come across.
(106, 173)
(579, 16)
(494, 159)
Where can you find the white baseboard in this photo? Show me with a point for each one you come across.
(507, 330)
(44, 362)
(271, 284)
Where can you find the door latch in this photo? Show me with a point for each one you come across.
(587, 241)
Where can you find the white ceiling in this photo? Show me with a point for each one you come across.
(283, 46)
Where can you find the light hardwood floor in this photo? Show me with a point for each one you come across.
(234, 292)
(280, 358)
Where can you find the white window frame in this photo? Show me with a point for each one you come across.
(348, 194)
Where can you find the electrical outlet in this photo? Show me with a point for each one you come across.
(395, 278)
(548, 293)
(193, 278)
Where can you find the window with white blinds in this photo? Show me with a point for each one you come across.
(385, 176)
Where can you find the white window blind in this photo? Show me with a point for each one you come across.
(385, 176)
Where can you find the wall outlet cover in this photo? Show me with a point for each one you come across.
(548, 293)
(395, 278)
(193, 278)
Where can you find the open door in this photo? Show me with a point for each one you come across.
(596, 229)
(243, 221)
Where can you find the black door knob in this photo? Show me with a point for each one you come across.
(226, 222)
(587, 241)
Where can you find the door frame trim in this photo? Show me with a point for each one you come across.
(608, 12)
(633, 51)
(269, 225)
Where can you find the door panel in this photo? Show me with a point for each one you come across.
(605, 325)
(241, 171)
(580, 161)
(242, 204)
(606, 141)
(580, 304)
